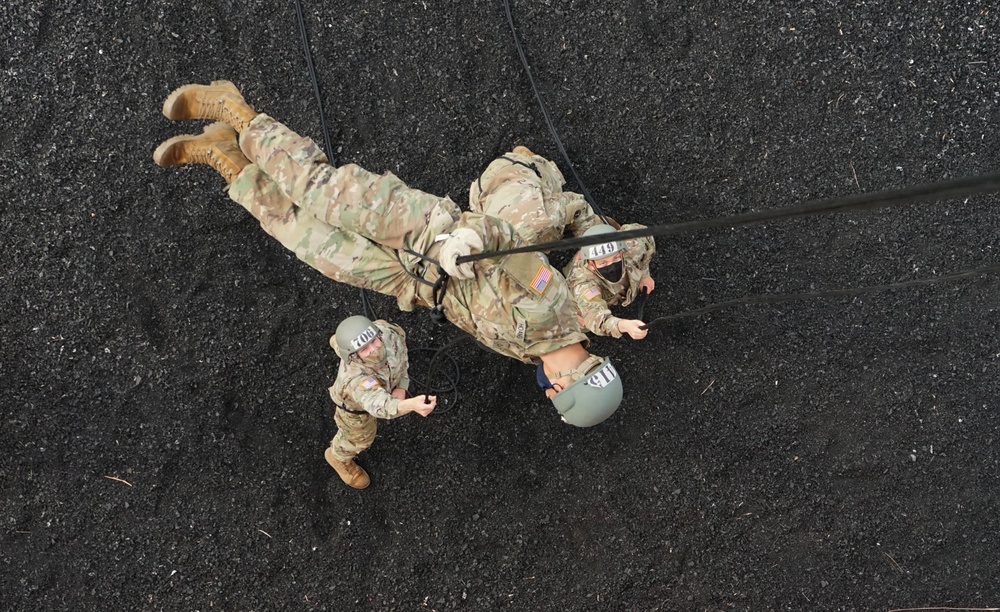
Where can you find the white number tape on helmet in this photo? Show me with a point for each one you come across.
(363, 338)
(600, 251)
(604, 377)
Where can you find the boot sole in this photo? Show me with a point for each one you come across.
(172, 109)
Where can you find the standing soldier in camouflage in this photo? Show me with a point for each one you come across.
(374, 232)
(371, 384)
(615, 272)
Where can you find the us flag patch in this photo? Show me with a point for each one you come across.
(591, 293)
(369, 382)
(541, 280)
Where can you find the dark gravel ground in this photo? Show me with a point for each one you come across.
(816, 455)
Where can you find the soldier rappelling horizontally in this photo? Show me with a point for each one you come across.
(374, 232)
(371, 384)
(525, 190)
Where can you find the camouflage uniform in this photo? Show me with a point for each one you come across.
(362, 393)
(526, 191)
(594, 294)
(349, 224)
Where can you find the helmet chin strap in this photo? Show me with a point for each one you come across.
(579, 371)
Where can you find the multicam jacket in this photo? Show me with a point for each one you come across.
(362, 387)
(593, 294)
(373, 231)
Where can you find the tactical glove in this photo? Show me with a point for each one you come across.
(462, 241)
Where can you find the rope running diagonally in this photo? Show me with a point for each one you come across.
(943, 190)
(789, 297)
(548, 119)
(366, 303)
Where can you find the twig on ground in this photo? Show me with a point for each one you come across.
(896, 565)
(116, 479)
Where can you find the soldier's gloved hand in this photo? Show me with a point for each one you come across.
(462, 241)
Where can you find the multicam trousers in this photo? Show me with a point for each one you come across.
(355, 433)
(526, 191)
(352, 225)
(345, 222)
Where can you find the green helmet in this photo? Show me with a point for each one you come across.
(593, 397)
(352, 335)
(602, 250)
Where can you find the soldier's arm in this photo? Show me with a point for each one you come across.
(496, 233)
(399, 343)
(374, 399)
(640, 250)
(594, 311)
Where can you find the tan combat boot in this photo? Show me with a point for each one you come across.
(215, 146)
(522, 150)
(351, 473)
(220, 101)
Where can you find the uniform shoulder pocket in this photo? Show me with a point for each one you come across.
(530, 272)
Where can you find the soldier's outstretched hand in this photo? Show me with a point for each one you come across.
(632, 327)
(421, 404)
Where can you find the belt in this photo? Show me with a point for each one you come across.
(339, 407)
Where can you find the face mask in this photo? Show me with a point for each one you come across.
(612, 272)
(541, 378)
(375, 358)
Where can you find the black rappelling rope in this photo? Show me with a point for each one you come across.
(943, 190)
(427, 386)
(304, 34)
(548, 119)
(788, 297)
(366, 304)
(933, 191)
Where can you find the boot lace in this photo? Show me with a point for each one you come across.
(210, 156)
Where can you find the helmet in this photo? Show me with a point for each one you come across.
(593, 397)
(602, 250)
(352, 335)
